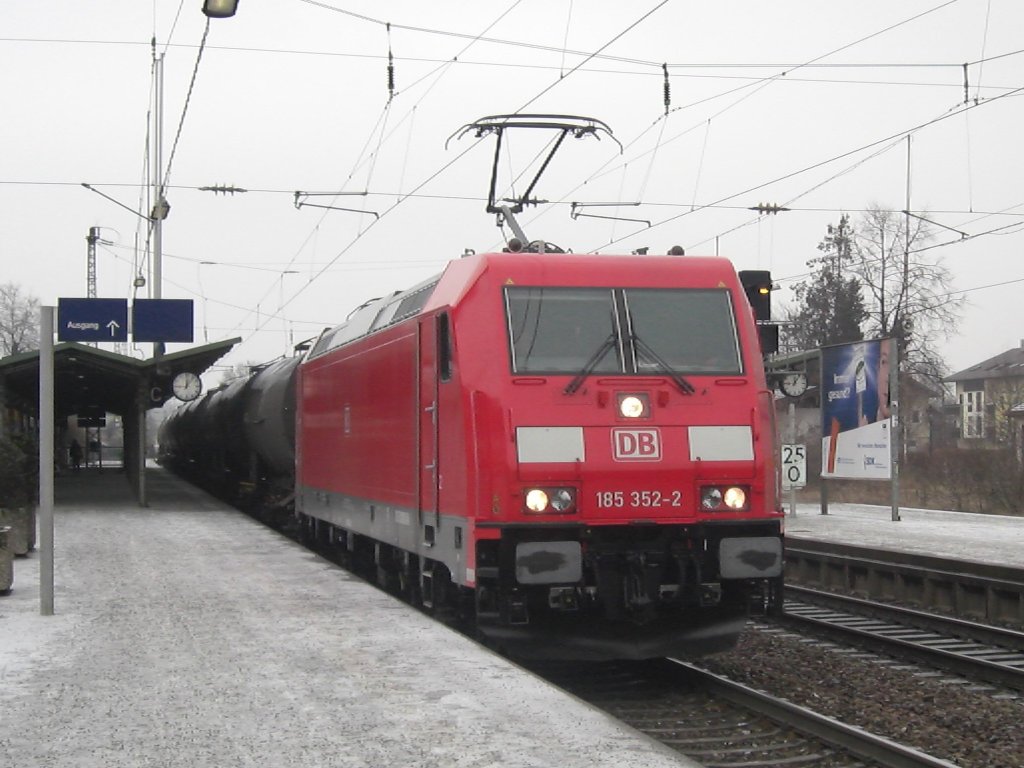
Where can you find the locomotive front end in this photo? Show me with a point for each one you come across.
(637, 515)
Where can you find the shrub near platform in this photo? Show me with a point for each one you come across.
(21, 522)
(16, 509)
(6, 562)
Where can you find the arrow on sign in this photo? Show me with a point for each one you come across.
(113, 325)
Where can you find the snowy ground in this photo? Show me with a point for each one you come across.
(994, 539)
(196, 637)
(185, 634)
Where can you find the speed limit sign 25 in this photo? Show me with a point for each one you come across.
(794, 466)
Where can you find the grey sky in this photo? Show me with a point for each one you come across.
(293, 95)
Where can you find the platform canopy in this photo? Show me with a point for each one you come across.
(88, 380)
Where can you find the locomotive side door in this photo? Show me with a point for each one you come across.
(429, 476)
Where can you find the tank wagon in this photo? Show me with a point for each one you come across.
(577, 451)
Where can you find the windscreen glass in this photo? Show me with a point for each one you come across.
(691, 330)
(561, 330)
(639, 331)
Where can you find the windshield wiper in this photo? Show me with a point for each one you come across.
(645, 350)
(590, 365)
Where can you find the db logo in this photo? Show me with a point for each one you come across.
(636, 445)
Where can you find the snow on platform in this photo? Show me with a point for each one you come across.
(992, 539)
(187, 634)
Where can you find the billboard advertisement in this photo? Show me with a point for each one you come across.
(855, 410)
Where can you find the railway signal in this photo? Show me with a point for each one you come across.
(758, 286)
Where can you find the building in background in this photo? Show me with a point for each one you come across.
(990, 401)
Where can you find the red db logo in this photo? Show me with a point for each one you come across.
(636, 445)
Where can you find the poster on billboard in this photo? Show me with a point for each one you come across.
(855, 410)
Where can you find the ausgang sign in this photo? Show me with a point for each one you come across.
(107, 320)
(92, 319)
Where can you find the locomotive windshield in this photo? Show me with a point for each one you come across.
(631, 331)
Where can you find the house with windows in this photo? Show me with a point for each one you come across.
(990, 399)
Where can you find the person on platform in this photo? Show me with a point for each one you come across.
(76, 455)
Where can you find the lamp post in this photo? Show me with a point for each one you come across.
(202, 295)
(220, 9)
(160, 206)
(214, 9)
(280, 307)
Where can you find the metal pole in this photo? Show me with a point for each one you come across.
(141, 447)
(895, 443)
(158, 180)
(792, 440)
(159, 212)
(46, 427)
(821, 476)
(90, 270)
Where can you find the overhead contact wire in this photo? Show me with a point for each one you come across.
(359, 163)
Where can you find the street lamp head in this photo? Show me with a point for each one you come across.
(220, 9)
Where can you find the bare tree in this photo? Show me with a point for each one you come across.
(907, 289)
(19, 320)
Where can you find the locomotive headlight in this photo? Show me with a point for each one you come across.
(551, 501)
(724, 498)
(711, 498)
(562, 500)
(536, 500)
(634, 406)
(735, 498)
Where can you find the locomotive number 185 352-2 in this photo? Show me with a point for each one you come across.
(639, 499)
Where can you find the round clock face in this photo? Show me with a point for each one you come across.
(794, 384)
(187, 386)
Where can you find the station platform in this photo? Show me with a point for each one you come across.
(187, 634)
(991, 539)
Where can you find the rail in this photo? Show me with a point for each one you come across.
(966, 589)
(992, 654)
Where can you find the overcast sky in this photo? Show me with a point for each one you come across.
(801, 104)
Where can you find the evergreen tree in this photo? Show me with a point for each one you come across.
(830, 308)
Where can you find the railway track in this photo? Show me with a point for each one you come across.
(981, 652)
(707, 717)
(721, 723)
(972, 591)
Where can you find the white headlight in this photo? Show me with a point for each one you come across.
(632, 407)
(735, 498)
(536, 500)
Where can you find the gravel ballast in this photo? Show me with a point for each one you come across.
(936, 713)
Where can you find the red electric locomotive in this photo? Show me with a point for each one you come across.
(579, 450)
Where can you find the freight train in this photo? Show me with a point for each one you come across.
(577, 452)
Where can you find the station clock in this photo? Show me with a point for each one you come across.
(187, 386)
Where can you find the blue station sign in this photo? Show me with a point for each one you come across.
(92, 319)
(162, 320)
